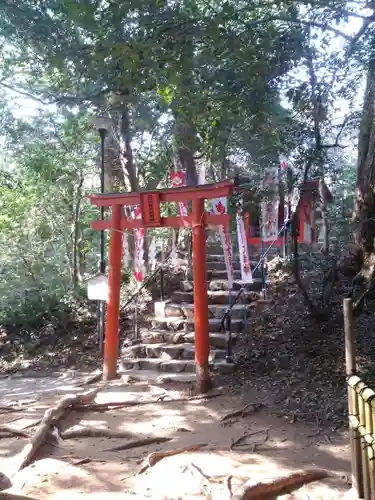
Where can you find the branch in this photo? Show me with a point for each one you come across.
(23, 93)
(359, 35)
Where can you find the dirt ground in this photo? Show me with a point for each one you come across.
(84, 468)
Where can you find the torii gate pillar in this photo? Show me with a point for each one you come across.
(114, 289)
(151, 218)
(202, 336)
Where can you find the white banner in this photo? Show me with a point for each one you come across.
(246, 275)
(152, 254)
(126, 252)
(178, 180)
(220, 207)
(270, 219)
(139, 236)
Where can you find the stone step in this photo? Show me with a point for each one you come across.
(216, 285)
(172, 366)
(215, 274)
(222, 284)
(178, 324)
(214, 310)
(171, 338)
(220, 266)
(217, 340)
(168, 352)
(155, 377)
(219, 257)
(214, 297)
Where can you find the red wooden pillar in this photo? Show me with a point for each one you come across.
(113, 307)
(202, 340)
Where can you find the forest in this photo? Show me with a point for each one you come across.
(227, 88)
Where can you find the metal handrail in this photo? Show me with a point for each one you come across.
(225, 324)
(145, 283)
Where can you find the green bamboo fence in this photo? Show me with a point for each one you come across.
(361, 405)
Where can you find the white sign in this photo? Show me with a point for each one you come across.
(97, 287)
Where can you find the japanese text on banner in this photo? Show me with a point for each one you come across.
(220, 207)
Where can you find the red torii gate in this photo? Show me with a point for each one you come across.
(149, 202)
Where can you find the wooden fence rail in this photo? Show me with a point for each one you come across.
(361, 405)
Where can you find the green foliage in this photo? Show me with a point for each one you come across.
(235, 84)
(38, 216)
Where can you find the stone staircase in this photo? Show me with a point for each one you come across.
(164, 351)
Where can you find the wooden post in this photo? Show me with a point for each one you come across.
(350, 354)
(113, 308)
(365, 463)
(368, 395)
(202, 339)
(351, 368)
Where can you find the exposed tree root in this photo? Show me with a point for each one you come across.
(11, 409)
(93, 377)
(5, 482)
(12, 496)
(51, 417)
(242, 438)
(7, 431)
(89, 432)
(139, 442)
(280, 486)
(156, 456)
(125, 404)
(243, 412)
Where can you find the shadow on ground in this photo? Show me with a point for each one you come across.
(275, 445)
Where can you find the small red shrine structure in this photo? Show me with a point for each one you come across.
(198, 219)
(307, 213)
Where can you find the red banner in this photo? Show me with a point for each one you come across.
(139, 236)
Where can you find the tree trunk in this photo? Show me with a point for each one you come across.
(126, 153)
(324, 212)
(184, 149)
(77, 235)
(364, 215)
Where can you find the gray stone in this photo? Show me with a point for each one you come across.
(129, 364)
(214, 325)
(173, 311)
(189, 311)
(149, 364)
(217, 340)
(180, 297)
(187, 286)
(216, 354)
(223, 367)
(174, 366)
(215, 274)
(154, 377)
(222, 284)
(220, 265)
(238, 310)
(168, 324)
(153, 350)
(188, 351)
(134, 351)
(150, 337)
(171, 352)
